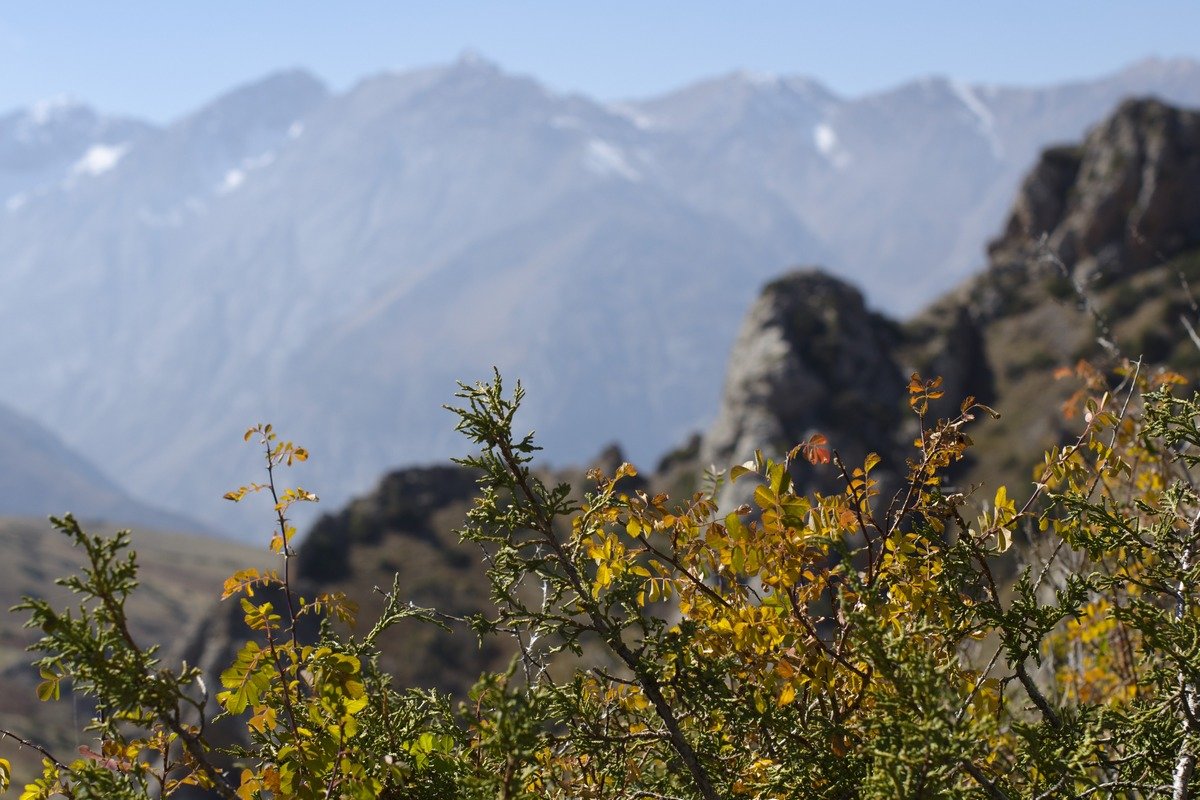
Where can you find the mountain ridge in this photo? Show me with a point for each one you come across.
(41, 476)
(335, 262)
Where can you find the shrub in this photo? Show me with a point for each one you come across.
(843, 645)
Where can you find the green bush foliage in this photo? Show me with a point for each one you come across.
(799, 645)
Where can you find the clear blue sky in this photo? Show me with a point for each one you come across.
(161, 58)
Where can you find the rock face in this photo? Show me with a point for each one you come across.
(404, 503)
(407, 529)
(810, 357)
(1128, 199)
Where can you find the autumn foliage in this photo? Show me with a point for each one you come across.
(801, 645)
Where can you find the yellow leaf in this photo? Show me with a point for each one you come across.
(240, 581)
(1003, 539)
(764, 497)
(740, 470)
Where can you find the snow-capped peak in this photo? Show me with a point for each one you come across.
(606, 159)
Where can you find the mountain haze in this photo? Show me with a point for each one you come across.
(41, 476)
(333, 262)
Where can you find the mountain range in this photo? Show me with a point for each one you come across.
(333, 262)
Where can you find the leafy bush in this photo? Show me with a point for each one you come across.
(847, 645)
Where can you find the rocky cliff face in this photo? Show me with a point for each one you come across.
(1128, 199)
(810, 357)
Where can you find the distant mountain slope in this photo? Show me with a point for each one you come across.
(903, 186)
(40, 476)
(56, 143)
(333, 262)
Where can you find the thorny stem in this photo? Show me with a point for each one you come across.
(612, 635)
(287, 548)
(1185, 762)
(699, 584)
(6, 734)
(287, 697)
(839, 658)
(992, 790)
(190, 740)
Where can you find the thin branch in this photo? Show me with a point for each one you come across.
(993, 791)
(6, 734)
(649, 682)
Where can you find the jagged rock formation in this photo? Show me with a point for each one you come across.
(403, 504)
(810, 357)
(407, 528)
(1128, 199)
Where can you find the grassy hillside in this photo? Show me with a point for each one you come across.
(181, 578)
(1047, 328)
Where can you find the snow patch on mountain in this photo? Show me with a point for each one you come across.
(825, 139)
(607, 160)
(639, 120)
(983, 115)
(236, 176)
(233, 179)
(99, 158)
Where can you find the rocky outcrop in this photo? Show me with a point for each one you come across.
(810, 357)
(1126, 200)
(404, 503)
